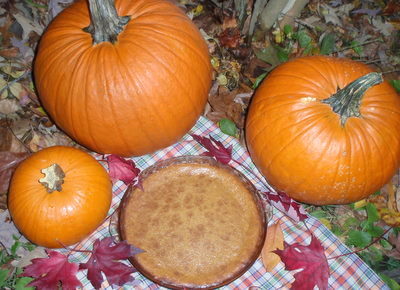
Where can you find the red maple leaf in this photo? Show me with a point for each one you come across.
(311, 259)
(52, 272)
(287, 205)
(122, 169)
(104, 258)
(230, 37)
(215, 148)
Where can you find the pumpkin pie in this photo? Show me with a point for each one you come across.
(199, 223)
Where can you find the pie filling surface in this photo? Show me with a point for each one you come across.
(198, 224)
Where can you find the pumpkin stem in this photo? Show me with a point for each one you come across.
(53, 178)
(105, 24)
(346, 101)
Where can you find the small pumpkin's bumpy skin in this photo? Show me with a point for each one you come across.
(140, 94)
(77, 205)
(300, 145)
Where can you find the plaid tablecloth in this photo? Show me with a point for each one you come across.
(348, 272)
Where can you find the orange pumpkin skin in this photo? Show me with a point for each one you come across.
(65, 217)
(130, 98)
(299, 144)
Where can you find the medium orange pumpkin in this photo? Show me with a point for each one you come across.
(321, 138)
(130, 91)
(58, 196)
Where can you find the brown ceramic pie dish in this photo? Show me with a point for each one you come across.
(199, 222)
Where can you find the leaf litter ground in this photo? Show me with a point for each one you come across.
(242, 53)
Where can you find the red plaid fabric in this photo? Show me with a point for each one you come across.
(348, 272)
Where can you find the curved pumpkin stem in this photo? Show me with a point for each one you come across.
(105, 24)
(53, 178)
(346, 101)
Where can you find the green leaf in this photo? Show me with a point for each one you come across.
(355, 45)
(392, 263)
(395, 84)
(375, 231)
(282, 54)
(359, 239)
(268, 55)
(36, 4)
(364, 224)
(308, 50)
(288, 30)
(22, 282)
(372, 256)
(337, 230)
(258, 80)
(303, 38)
(3, 276)
(18, 271)
(228, 127)
(385, 244)
(28, 246)
(14, 248)
(351, 222)
(319, 214)
(393, 285)
(4, 257)
(328, 44)
(372, 213)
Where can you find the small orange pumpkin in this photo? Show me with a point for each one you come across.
(58, 196)
(324, 131)
(128, 82)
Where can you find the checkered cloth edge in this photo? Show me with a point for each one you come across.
(347, 272)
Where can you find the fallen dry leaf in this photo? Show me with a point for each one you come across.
(9, 106)
(5, 136)
(28, 256)
(28, 25)
(39, 140)
(122, 169)
(388, 203)
(224, 104)
(5, 31)
(395, 241)
(49, 272)
(393, 197)
(214, 148)
(310, 261)
(105, 259)
(287, 205)
(9, 52)
(8, 231)
(273, 241)
(391, 8)
(11, 135)
(229, 22)
(8, 162)
(230, 38)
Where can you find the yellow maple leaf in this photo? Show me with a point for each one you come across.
(273, 241)
(388, 204)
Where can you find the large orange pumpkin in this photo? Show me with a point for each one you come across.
(321, 138)
(58, 196)
(130, 91)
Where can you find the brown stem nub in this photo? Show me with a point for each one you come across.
(346, 101)
(53, 178)
(105, 23)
